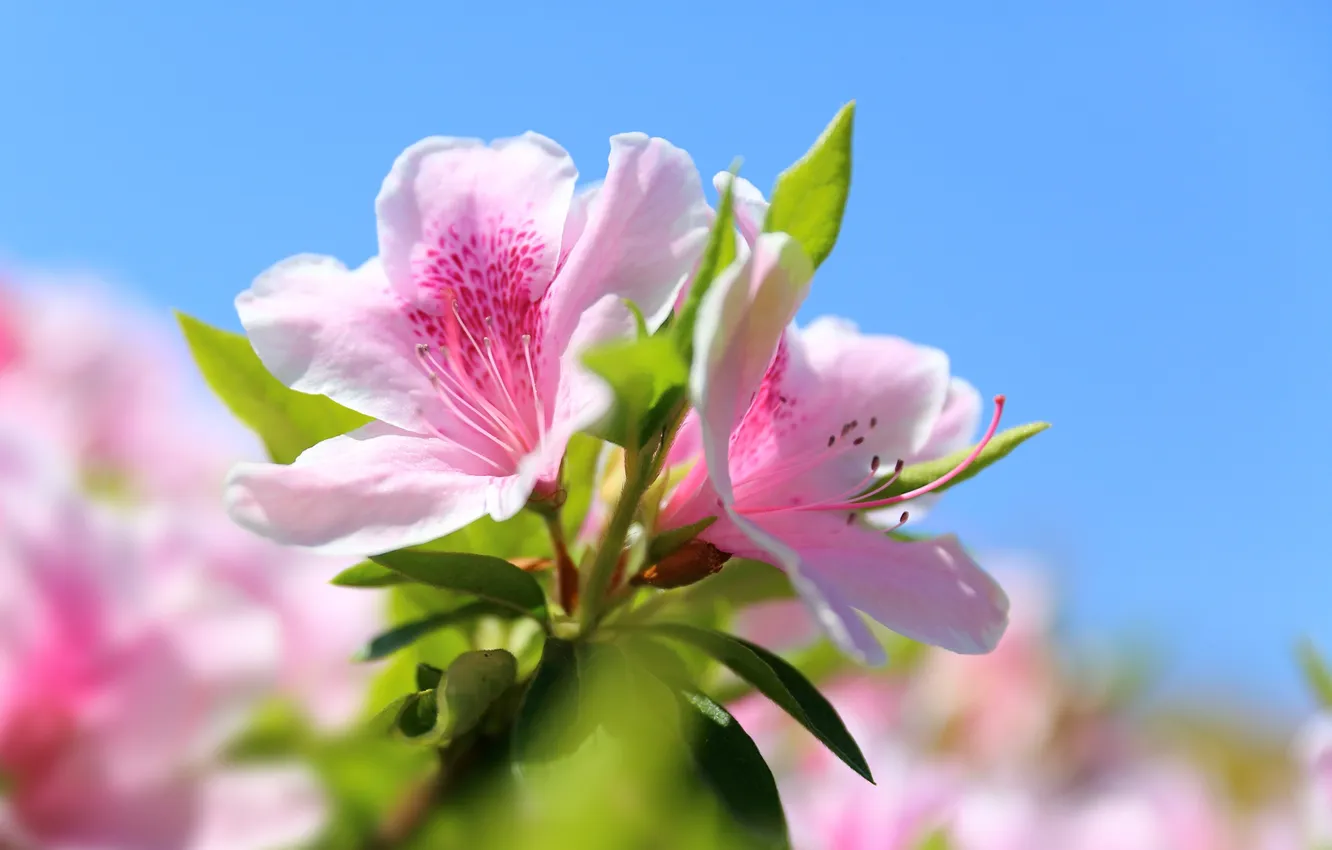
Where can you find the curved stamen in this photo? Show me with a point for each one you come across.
(483, 353)
(999, 401)
(536, 395)
(451, 398)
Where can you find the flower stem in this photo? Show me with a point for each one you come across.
(566, 574)
(637, 476)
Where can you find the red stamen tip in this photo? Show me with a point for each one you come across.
(1000, 399)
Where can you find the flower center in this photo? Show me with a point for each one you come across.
(490, 388)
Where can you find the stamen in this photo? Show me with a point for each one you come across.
(901, 521)
(536, 394)
(999, 401)
(452, 397)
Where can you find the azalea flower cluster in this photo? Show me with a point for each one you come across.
(464, 341)
(1024, 748)
(139, 628)
(546, 442)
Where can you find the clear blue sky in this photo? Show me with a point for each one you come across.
(1118, 212)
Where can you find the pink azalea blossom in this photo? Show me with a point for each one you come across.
(462, 338)
(120, 676)
(794, 426)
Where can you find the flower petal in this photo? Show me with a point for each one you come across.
(953, 430)
(929, 590)
(740, 322)
(645, 230)
(832, 403)
(463, 221)
(321, 328)
(956, 426)
(751, 208)
(373, 490)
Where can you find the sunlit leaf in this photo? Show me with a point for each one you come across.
(780, 682)
(640, 373)
(287, 421)
(810, 196)
(368, 574)
(485, 576)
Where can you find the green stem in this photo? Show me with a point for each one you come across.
(612, 542)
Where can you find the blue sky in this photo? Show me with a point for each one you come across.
(1117, 212)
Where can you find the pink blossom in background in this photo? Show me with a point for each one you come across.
(122, 671)
(795, 426)
(104, 381)
(462, 337)
(999, 709)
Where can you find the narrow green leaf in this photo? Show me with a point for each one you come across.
(540, 729)
(920, 474)
(718, 253)
(402, 636)
(428, 677)
(1316, 672)
(810, 196)
(368, 574)
(669, 541)
(732, 766)
(288, 422)
(779, 682)
(473, 683)
(488, 577)
(640, 372)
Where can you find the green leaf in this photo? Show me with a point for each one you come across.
(428, 677)
(640, 373)
(419, 714)
(920, 474)
(718, 253)
(551, 699)
(485, 576)
(810, 196)
(368, 574)
(669, 541)
(728, 761)
(287, 421)
(406, 634)
(475, 680)
(1316, 672)
(779, 682)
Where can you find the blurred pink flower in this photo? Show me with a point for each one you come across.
(121, 672)
(794, 426)
(462, 337)
(999, 709)
(100, 381)
(1313, 750)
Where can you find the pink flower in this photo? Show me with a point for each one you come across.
(121, 672)
(1000, 708)
(97, 379)
(795, 426)
(462, 337)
